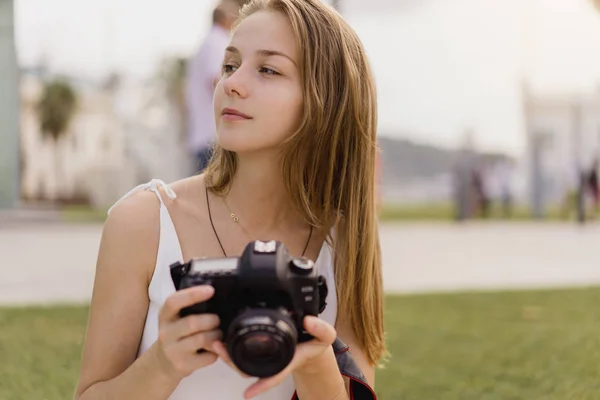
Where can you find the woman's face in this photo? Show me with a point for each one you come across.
(260, 81)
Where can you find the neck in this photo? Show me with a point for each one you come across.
(258, 196)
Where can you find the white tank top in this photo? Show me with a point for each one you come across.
(217, 381)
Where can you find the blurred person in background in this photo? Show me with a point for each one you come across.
(203, 73)
(499, 182)
(295, 160)
(462, 178)
(479, 182)
(570, 182)
(594, 189)
(505, 171)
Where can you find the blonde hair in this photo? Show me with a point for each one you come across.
(329, 163)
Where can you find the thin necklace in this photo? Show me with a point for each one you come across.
(233, 216)
(236, 220)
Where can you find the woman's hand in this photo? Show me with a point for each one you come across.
(305, 358)
(180, 339)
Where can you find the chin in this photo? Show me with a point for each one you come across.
(238, 142)
(242, 145)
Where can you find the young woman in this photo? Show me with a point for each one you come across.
(296, 117)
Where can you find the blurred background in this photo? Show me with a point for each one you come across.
(489, 130)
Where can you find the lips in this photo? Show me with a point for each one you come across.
(233, 112)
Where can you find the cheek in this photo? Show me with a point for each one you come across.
(218, 98)
(285, 109)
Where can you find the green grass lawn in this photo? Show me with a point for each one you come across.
(389, 213)
(479, 346)
(446, 212)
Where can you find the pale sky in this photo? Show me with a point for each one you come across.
(441, 65)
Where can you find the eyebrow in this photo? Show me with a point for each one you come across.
(262, 52)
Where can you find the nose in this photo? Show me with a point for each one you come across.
(236, 84)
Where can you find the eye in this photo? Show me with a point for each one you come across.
(229, 69)
(269, 71)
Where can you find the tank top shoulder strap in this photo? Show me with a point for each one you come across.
(153, 185)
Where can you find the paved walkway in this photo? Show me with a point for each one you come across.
(55, 263)
(419, 258)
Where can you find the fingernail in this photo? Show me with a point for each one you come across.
(316, 323)
(207, 290)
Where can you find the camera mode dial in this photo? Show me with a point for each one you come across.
(302, 265)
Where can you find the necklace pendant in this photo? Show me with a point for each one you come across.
(234, 218)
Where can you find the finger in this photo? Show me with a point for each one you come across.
(204, 340)
(191, 325)
(263, 385)
(185, 361)
(181, 299)
(321, 330)
(324, 335)
(220, 349)
(197, 361)
(266, 384)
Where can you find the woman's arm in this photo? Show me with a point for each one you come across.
(144, 379)
(127, 254)
(347, 335)
(321, 379)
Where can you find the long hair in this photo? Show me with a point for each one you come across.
(328, 164)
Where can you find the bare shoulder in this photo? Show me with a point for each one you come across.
(137, 212)
(137, 218)
(188, 210)
(190, 202)
(190, 192)
(134, 221)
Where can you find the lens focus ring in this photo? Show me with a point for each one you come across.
(262, 349)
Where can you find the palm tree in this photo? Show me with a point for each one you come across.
(56, 108)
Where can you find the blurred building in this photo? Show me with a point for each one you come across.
(120, 136)
(563, 137)
(91, 152)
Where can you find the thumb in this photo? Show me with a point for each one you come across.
(320, 329)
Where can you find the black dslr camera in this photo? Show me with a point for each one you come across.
(261, 299)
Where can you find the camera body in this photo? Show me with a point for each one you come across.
(261, 299)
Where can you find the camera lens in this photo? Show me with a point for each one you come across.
(260, 346)
(261, 342)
